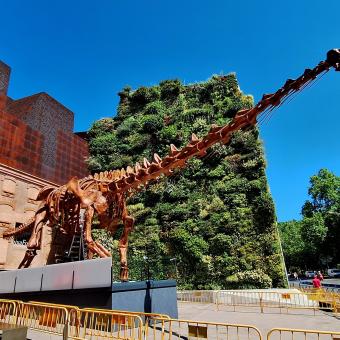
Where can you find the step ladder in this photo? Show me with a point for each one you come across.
(78, 249)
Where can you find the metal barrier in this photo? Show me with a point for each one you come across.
(89, 323)
(265, 299)
(73, 311)
(8, 311)
(106, 324)
(301, 334)
(282, 300)
(51, 319)
(201, 296)
(187, 329)
(147, 318)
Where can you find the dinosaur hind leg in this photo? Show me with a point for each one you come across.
(28, 258)
(34, 242)
(123, 247)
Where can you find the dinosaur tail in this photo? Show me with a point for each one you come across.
(23, 228)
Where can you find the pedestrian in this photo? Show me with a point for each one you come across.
(296, 276)
(316, 282)
(320, 276)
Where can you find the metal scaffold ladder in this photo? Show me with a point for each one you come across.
(77, 251)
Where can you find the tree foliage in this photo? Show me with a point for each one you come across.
(216, 216)
(313, 242)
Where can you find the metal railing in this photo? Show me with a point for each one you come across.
(45, 318)
(301, 334)
(8, 311)
(201, 296)
(265, 301)
(98, 324)
(167, 329)
(283, 300)
(71, 322)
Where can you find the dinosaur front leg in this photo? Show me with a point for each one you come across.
(123, 247)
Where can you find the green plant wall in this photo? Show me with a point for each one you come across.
(213, 224)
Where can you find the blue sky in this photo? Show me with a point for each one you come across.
(83, 52)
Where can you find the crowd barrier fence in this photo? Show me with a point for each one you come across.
(51, 319)
(168, 329)
(301, 334)
(8, 311)
(72, 322)
(98, 324)
(266, 300)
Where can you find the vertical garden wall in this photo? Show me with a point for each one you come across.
(212, 224)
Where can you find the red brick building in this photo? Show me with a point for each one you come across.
(37, 148)
(36, 136)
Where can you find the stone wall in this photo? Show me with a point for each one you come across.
(18, 191)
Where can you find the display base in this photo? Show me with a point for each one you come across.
(88, 283)
(141, 296)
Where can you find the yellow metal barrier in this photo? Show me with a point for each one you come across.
(51, 319)
(268, 300)
(301, 334)
(265, 300)
(73, 311)
(187, 329)
(201, 296)
(143, 315)
(8, 311)
(147, 318)
(107, 325)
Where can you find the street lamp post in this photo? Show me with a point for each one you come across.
(174, 260)
(146, 259)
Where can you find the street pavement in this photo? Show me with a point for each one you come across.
(271, 318)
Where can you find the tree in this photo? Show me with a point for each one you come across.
(325, 194)
(314, 241)
(293, 244)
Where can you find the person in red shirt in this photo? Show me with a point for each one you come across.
(316, 282)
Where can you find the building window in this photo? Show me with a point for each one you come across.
(22, 238)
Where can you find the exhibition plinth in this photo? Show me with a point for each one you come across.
(89, 284)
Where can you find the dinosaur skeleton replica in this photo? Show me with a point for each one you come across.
(105, 193)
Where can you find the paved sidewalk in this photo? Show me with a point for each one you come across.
(303, 319)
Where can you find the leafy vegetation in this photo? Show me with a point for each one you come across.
(313, 242)
(212, 224)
